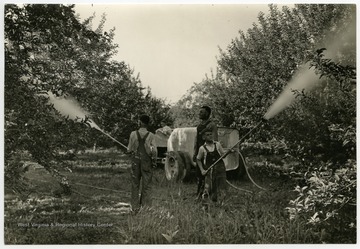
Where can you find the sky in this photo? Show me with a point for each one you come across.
(171, 46)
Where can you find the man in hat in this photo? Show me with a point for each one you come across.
(143, 148)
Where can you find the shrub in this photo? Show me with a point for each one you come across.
(328, 201)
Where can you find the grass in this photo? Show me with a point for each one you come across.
(97, 212)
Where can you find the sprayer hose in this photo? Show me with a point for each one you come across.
(248, 174)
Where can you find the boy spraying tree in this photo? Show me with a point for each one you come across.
(215, 179)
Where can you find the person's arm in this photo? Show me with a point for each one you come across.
(213, 127)
(195, 149)
(199, 160)
(131, 146)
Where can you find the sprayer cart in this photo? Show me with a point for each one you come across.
(228, 137)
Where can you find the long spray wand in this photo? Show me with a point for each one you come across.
(94, 125)
(113, 139)
(70, 108)
(238, 142)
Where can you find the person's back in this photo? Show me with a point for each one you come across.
(148, 146)
(141, 151)
(142, 145)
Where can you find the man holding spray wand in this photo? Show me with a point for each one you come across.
(143, 148)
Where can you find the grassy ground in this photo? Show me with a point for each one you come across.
(97, 212)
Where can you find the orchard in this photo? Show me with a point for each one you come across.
(305, 153)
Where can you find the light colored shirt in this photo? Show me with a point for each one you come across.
(211, 147)
(150, 144)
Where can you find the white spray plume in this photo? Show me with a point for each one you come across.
(305, 78)
(70, 107)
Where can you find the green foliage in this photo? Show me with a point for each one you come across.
(328, 198)
(48, 49)
(331, 108)
(257, 65)
(15, 170)
(319, 127)
(40, 44)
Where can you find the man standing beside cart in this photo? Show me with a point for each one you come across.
(206, 123)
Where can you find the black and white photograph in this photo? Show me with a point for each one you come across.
(194, 123)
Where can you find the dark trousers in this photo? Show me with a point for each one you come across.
(200, 182)
(141, 171)
(215, 184)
